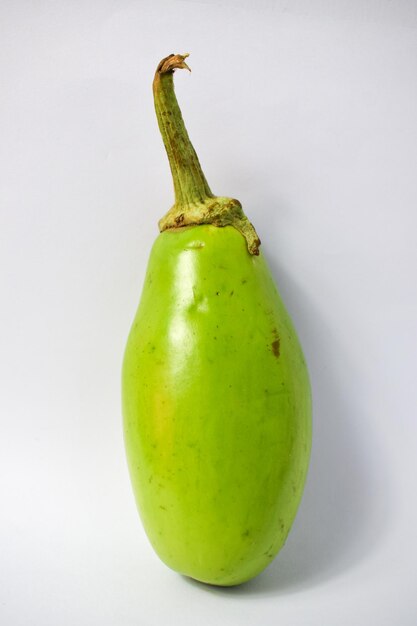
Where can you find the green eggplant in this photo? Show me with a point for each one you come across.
(215, 389)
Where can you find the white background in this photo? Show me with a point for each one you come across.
(306, 111)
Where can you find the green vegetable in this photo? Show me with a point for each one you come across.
(216, 395)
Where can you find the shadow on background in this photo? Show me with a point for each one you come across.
(341, 518)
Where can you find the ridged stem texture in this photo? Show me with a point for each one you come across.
(195, 204)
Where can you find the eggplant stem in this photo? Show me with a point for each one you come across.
(194, 201)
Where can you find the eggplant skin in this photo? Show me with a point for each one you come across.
(216, 406)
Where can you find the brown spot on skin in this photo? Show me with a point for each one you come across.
(179, 219)
(275, 348)
(276, 344)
